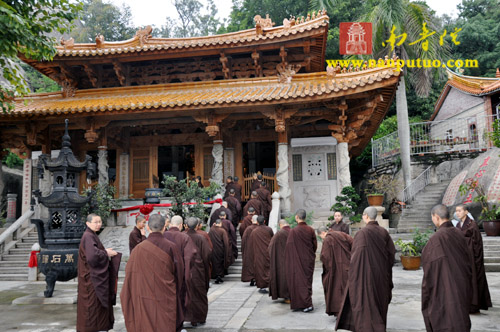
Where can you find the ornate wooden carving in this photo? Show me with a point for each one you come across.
(225, 65)
(286, 72)
(256, 62)
(280, 117)
(91, 74)
(262, 23)
(91, 134)
(68, 89)
(31, 133)
(99, 41)
(67, 44)
(212, 120)
(120, 72)
(144, 34)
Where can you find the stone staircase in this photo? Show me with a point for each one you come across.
(417, 214)
(14, 262)
(235, 269)
(491, 246)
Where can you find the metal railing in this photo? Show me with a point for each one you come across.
(456, 135)
(11, 233)
(417, 185)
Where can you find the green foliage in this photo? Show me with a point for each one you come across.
(180, 192)
(415, 247)
(382, 185)
(38, 82)
(347, 204)
(12, 160)
(292, 222)
(101, 18)
(25, 28)
(489, 211)
(494, 136)
(102, 201)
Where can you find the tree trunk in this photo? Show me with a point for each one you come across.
(403, 131)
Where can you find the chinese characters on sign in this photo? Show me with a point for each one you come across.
(398, 40)
(58, 258)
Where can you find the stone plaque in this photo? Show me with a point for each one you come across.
(315, 169)
(316, 197)
(331, 160)
(27, 170)
(124, 180)
(297, 167)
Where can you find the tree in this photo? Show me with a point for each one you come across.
(192, 21)
(24, 28)
(100, 18)
(38, 82)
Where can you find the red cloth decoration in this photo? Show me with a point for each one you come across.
(33, 261)
(148, 206)
(146, 209)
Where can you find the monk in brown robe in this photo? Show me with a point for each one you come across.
(199, 230)
(221, 253)
(335, 256)
(231, 233)
(369, 286)
(247, 271)
(237, 189)
(247, 221)
(200, 276)
(138, 234)
(278, 287)
(257, 180)
(339, 224)
(255, 203)
(264, 196)
(300, 254)
(480, 292)
(153, 279)
(447, 283)
(235, 207)
(216, 214)
(259, 241)
(97, 280)
(188, 252)
(229, 186)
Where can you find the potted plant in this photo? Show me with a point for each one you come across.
(490, 212)
(378, 187)
(411, 251)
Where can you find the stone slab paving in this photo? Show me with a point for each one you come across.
(235, 306)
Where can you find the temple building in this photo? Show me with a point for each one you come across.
(230, 104)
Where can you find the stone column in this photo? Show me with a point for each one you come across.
(124, 170)
(274, 216)
(403, 131)
(228, 162)
(344, 174)
(282, 178)
(27, 170)
(217, 169)
(11, 209)
(103, 166)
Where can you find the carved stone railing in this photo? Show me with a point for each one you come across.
(12, 233)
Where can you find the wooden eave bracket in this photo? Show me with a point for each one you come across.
(212, 121)
(280, 116)
(91, 134)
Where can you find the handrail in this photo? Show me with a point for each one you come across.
(13, 229)
(417, 185)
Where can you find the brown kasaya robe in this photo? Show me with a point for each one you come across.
(264, 196)
(369, 286)
(480, 292)
(221, 253)
(188, 253)
(278, 287)
(97, 285)
(135, 238)
(231, 233)
(237, 191)
(247, 271)
(217, 212)
(446, 284)
(300, 254)
(206, 236)
(256, 204)
(229, 186)
(255, 185)
(340, 227)
(259, 240)
(247, 221)
(235, 207)
(200, 279)
(335, 256)
(153, 279)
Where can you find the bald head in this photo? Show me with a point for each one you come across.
(254, 194)
(192, 222)
(176, 221)
(224, 204)
(222, 215)
(370, 213)
(283, 223)
(254, 219)
(440, 214)
(156, 223)
(251, 210)
(322, 231)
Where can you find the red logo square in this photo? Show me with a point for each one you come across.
(355, 38)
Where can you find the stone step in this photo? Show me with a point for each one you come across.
(232, 277)
(17, 257)
(14, 277)
(495, 259)
(24, 245)
(14, 269)
(13, 263)
(18, 251)
(492, 267)
(29, 240)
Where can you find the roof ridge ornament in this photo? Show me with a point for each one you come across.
(99, 41)
(262, 23)
(144, 34)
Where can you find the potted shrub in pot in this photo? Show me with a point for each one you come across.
(411, 251)
(378, 187)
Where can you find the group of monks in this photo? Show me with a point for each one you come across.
(168, 274)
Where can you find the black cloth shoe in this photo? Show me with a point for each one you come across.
(263, 291)
(252, 283)
(308, 309)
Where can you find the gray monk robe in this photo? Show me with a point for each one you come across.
(300, 254)
(97, 285)
(446, 284)
(336, 257)
(221, 253)
(247, 271)
(200, 278)
(480, 292)
(277, 275)
(369, 287)
(259, 240)
(153, 279)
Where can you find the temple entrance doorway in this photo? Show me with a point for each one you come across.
(176, 160)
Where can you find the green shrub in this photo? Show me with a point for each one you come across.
(347, 204)
(291, 219)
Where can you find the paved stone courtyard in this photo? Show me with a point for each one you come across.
(234, 306)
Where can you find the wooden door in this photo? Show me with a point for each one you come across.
(143, 165)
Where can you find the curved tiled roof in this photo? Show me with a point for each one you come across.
(199, 95)
(234, 39)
